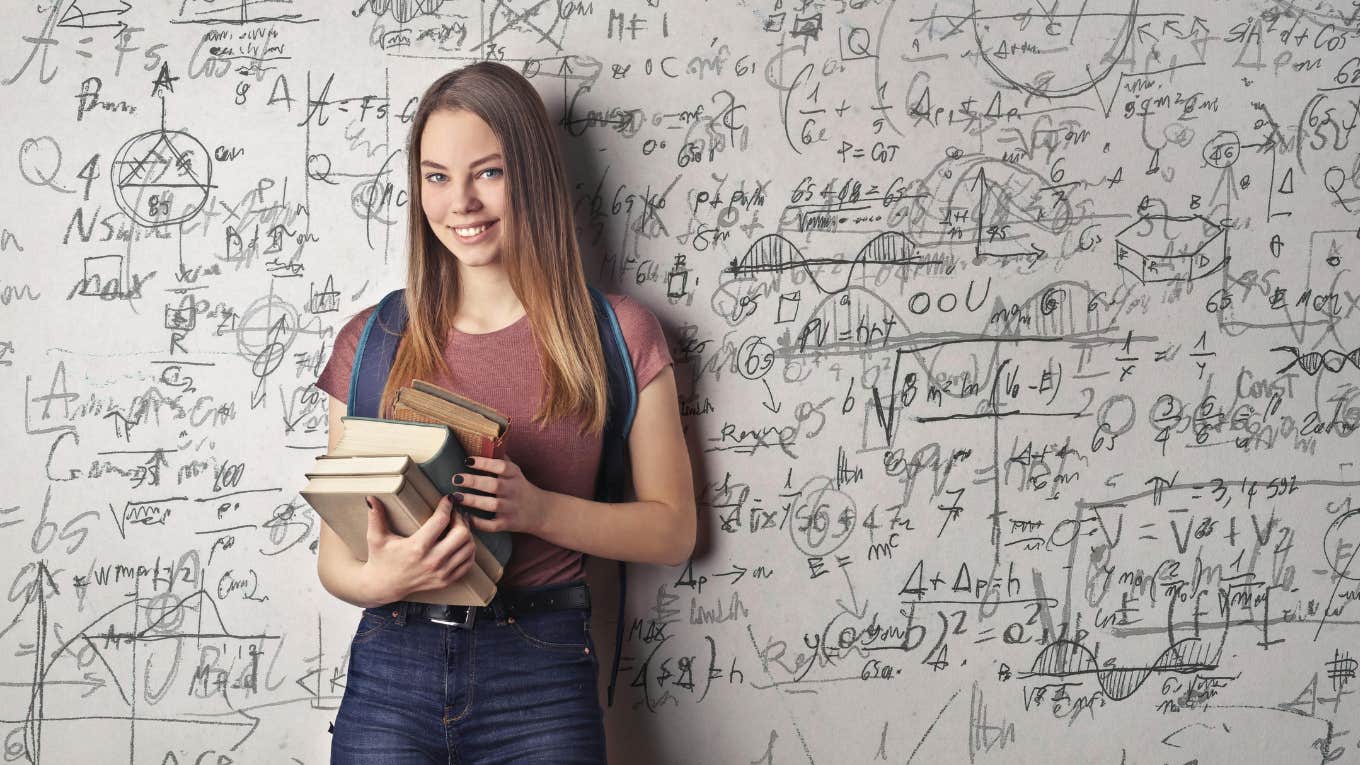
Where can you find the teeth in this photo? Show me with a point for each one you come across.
(471, 231)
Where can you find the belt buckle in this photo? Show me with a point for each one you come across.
(465, 625)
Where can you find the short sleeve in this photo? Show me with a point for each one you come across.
(334, 377)
(646, 340)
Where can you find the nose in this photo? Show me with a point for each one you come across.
(463, 200)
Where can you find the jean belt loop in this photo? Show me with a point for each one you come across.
(498, 607)
(399, 613)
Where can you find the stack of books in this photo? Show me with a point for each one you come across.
(408, 463)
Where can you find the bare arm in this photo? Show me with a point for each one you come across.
(661, 526)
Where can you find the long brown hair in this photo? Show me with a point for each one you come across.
(539, 250)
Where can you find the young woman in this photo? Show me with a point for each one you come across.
(499, 311)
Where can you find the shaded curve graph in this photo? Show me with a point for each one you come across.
(1068, 658)
(1314, 362)
(773, 252)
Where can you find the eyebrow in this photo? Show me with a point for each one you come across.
(437, 166)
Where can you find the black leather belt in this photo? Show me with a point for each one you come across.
(507, 602)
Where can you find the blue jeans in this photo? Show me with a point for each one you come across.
(516, 689)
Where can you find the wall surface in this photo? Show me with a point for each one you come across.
(1017, 349)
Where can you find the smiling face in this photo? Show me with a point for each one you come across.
(463, 185)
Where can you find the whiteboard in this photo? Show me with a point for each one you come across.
(1016, 346)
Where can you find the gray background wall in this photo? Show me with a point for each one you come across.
(1017, 346)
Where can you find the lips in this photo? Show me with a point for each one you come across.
(477, 237)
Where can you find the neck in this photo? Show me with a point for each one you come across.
(486, 300)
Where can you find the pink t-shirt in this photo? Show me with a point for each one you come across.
(502, 370)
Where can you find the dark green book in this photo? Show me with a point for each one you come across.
(433, 447)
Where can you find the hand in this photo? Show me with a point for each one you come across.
(398, 566)
(519, 505)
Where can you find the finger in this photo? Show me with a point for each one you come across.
(459, 534)
(377, 520)
(484, 483)
(489, 465)
(456, 559)
(487, 524)
(477, 501)
(456, 571)
(433, 526)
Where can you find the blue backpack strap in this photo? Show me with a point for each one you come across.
(375, 353)
(615, 475)
(615, 478)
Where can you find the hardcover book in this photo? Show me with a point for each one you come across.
(336, 489)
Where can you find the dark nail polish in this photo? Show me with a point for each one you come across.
(458, 479)
(467, 461)
(458, 497)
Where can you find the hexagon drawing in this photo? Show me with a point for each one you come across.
(1169, 248)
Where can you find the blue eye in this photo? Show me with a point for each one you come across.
(431, 176)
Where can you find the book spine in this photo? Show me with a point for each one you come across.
(487, 562)
(424, 485)
(441, 467)
(480, 584)
(403, 411)
(412, 508)
(472, 442)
